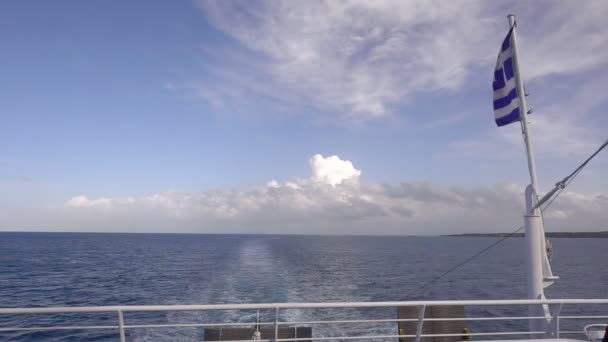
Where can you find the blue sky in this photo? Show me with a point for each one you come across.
(119, 102)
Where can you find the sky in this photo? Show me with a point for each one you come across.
(295, 117)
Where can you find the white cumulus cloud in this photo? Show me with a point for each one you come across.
(333, 170)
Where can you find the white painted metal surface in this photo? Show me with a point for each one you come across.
(538, 268)
(122, 325)
(523, 106)
(534, 238)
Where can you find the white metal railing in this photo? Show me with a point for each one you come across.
(553, 319)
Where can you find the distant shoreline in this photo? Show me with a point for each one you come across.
(603, 234)
(600, 234)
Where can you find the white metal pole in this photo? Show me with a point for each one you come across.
(523, 107)
(532, 218)
(534, 238)
(121, 326)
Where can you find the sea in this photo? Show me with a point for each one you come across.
(86, 269)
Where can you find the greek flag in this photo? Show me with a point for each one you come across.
(506, 101)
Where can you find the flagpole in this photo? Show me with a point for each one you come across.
(532, 218)
(523, 108)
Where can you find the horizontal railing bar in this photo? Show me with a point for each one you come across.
(415, 320)
(343, 337)
(321, 338)
(501, 333)
(303, 322)
(288, 339)
(506, 318)
(236, 324)
(268, 340)
(296, 306)
(75, 327)
(141, 308)
(329, 338)
(582, 317)
(185, 325)
(396, 336)
(346, 321)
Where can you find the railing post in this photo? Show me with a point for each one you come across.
(554, 326)
(121, 326)
(421, 310)
(276, 324)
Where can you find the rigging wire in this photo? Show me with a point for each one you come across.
(578, 169)
(430, 282)
(573, 175)
(565, 183)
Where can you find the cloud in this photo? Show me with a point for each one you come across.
(563, 37)
(333, 170)
(361, 59)
(551, 137)
(330, 202)
(356, 58)
(562, 127)
(84, 202)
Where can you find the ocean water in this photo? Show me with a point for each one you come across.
(74, 269)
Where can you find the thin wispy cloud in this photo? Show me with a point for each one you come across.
(361, 59)
(563, 37)
(354, 58)
(562, 124)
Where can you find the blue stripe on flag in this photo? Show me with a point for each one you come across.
(507, 42)
(508, 65)
(499, 80)
(507, 119)
(505, 101)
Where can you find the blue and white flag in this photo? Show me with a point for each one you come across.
(506, 101)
